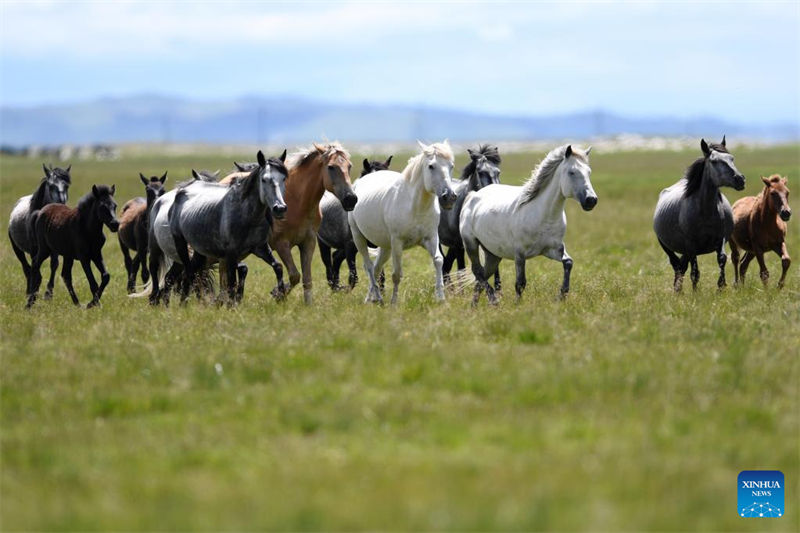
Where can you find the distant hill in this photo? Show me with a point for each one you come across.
(155, 118)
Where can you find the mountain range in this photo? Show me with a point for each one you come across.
(253, 119)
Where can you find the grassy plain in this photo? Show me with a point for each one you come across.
(625, 407)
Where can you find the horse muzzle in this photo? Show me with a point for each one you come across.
(349, 201)
(589, 203)
(739, 183)
(279, 211)
(447, 199)
(785, 215)
(113, 225)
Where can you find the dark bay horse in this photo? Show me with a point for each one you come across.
(334, 233)
(133, 222)
(75, 234)
(312, 171)
(759, 226)
(52, 189)
(483, 169)
(693, 217)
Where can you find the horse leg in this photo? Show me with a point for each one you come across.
(48, 293)
(380, 262)
(241, 275)
(763, 267)
(490, 268)
(722, 258)
(560, 254)
(748, 256)
(264, 252)
(351, 251)
(231, 269)
(142, 255)
(522, 281)
(87, 269)
(397, 267)
(677, 267)
(105, 277)
(284, 250)
(447, 264)
(325, 254)
(735, 261)
(126, 256)
(26, 269)
(785, 262)
(373, 292)
(306, 255)
(471, 247)
(35, 277)
(182, 248)
(339, 257)
(695, 276)
(66, 275)
(432, 245)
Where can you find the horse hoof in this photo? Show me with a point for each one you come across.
(48, 295)
(91, 304)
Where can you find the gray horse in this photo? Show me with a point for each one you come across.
(483, 169)
(52, 189)
(693, 217)
(334, 232)
(226, 223)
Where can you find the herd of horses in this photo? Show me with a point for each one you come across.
(307, 200)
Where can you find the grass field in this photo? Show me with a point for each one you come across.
(625, 407)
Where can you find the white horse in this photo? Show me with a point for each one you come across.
(396, 211)
(522, 222)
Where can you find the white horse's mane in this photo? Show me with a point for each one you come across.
(412, 170)
(545, 171)
(325, 150)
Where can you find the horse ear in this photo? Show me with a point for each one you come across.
(319, 148)
(723, 141)
(69, 168)
(238, 166)
(113, 189)
(262, 161)
(472, 155)
(389, 161)
(46, 172)
(163, 178)
(283, 156)
(216, 174)
(366, 164)
(765, 180)
(568, 151)
(95, 192)
(144, 180)
(704, 147)
(195, 175)
(422, 145)
(588, 150)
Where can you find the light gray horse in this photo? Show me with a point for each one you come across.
(52, 189)
(693, 217)
(483, 169)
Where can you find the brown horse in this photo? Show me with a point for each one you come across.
(311, 172)
(759, 225)
(133, 223)
(74, 233)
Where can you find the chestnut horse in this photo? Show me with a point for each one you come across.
(759, 225)
(320, 168)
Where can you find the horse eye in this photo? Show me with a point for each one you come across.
(430, 166)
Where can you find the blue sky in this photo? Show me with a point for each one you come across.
(734, 60)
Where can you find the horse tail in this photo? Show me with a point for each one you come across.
(164, 264)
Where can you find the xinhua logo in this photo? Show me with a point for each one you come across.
(761, 494)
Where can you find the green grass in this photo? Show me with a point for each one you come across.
(626, 407)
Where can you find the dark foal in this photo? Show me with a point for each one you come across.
(759, 226)
(334, 233)
(75, 234)
(133, 222)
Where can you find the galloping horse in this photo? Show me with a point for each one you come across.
(312, 171)
(219, 222)
(759, 225)
(483, 169)
(523, 222)
(693, 217)
(51, 190)
(74, 233)
(334, 232)
(399, 210)
(132, 232)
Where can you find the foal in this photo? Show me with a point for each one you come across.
(759, 225)
(133, 228)
(74, 233)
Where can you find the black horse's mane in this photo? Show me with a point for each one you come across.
(694, 174)
(37, 200)
(489, 152)
(249, 180)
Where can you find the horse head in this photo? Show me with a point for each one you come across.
(271, 175)
(574, 174)
(483, 168)
(777, 194)
(375, 166)
(105, 206)
(336, 173)
(57, 184)
(437, 166)
(154, 186)
(719, 165)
